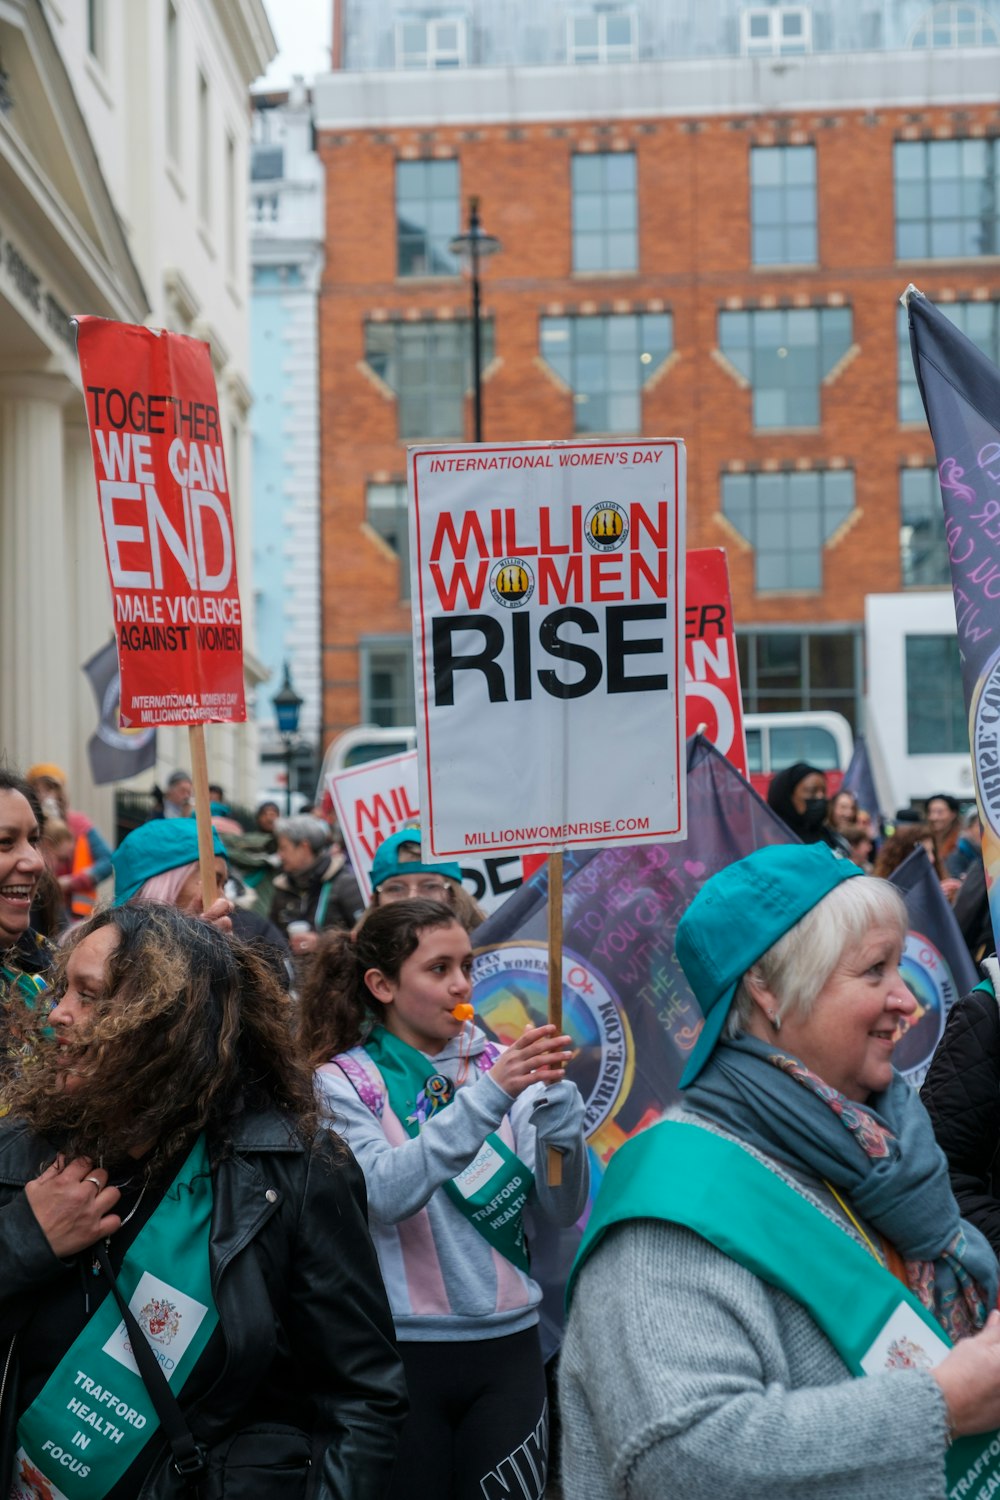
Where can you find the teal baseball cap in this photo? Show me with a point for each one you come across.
(154, 848)
(737, 916)
(387, 863)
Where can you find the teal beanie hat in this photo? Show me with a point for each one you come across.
(387, 863)
(737, 916)
(154, 848)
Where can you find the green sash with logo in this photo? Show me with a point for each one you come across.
(492, 1190)
(93, 1417)
(690, 1176)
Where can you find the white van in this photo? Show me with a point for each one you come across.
(774, 741)
(353, 747)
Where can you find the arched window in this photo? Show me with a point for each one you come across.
(956, 25)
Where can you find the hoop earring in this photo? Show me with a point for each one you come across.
(775, 1021)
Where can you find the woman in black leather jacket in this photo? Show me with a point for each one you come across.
(962, 1096)
(162, 1131)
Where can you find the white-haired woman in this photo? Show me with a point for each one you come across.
(790, 1229)
(316, 890)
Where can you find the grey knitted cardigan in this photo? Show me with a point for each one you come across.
(684, 1377)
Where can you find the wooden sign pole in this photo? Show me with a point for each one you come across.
(203, 814)
(555, 867)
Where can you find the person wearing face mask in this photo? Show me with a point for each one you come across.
(798, 796)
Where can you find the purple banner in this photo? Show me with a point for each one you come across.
(960, 388)
(626, 1002)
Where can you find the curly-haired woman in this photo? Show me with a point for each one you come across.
(162, 1133)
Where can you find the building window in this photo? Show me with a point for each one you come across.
(427, 217)
(172, 82)
(783, 205)
(979, 321)
(606, 361)
(787, 519)
(605, 37)
(775, 29)
(96, 31)
(604, 212)
(955, 26)
(435, 43)
(387, 682)
(204, 152)
(429, 366)
(946, 199)
(786, 354)
(386, 514)
(923, 550)
(267, 163)
(936, 721)
(784, 671)
(264, 208)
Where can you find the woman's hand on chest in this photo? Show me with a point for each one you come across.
(73, 1205)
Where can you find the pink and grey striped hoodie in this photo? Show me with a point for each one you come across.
(443, 1280)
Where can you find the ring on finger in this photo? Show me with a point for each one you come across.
(95, 1182)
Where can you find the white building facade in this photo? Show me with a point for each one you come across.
(124, 140)
(286, 253)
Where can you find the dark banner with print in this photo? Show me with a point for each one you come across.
(626, 1002)
(936, 963)
(115, 754)
(859, 779)
(960, 388)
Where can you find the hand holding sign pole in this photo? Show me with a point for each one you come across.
(156, 438)
(548, 583)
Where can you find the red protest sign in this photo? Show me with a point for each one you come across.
(713, 700)
(155, 433)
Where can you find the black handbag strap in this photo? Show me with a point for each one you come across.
(189, 1456)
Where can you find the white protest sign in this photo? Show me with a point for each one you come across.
(548, 591)
(376, 799)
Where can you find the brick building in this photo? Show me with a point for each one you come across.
(705, 246)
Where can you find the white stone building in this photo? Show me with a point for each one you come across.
(124, 139)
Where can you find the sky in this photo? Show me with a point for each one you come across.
(302, 30)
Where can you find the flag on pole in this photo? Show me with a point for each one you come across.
(115, 754)
(859, 779)
(936, 965)
(626, 1002)
(960, 389)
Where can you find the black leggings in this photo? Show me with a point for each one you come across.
(478, 1422)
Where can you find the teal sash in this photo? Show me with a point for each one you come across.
(30, 986)
(93, 1417)
(687, 1175)
(492, 1190)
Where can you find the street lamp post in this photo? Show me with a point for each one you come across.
(471, 248)
(287, 706)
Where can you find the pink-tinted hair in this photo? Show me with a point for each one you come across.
(165, 887)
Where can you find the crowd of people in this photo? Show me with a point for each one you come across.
(268, 1186)
(951, 841)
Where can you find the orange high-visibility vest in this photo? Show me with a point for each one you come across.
(82, 902)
